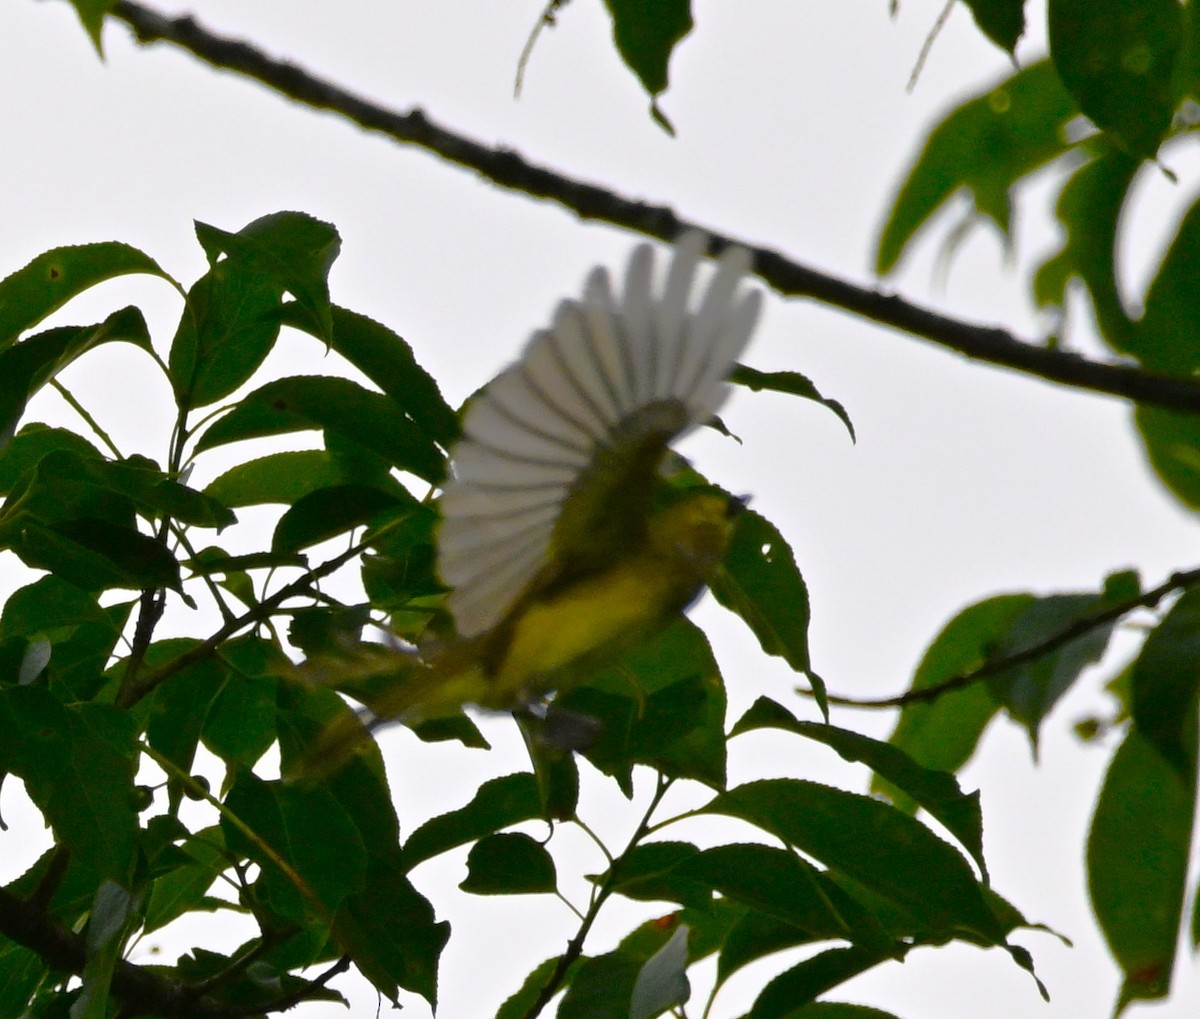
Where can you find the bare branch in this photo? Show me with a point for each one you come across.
(508, 169)
(993, 666)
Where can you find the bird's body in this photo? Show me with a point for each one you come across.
(561, 543)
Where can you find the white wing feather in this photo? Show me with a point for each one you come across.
(536, 427)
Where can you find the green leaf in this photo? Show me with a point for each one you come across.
(774, 882)
(241, 724)
(654, 872)
(184, 890)
(754, 936)
(1089, 208)
(91, 15)
(309, 829)
(985, 146)
(871, 843)
(390, 932)
(31, 444)
(936, 791)
(28, 365)
(1137, 860)
(1172, 445)
(942, 734)
(291, 248)
(96, 555)
(234, 311)
(498, 803)
(1163, 340)
(112, 915)
(281, 478)
(22, 972)
(509, 863)
(77, 764)
(1030, 691)
(646, 35)
(1118, 60)
(662, 705)
(179, 706)
(799, 985)
(336, 405)
(1002, 21)
(48, 282)
(759, 581)
(662, 981)
(1165, 685)
(601, 988)
(518, 1006)
(388, 361)
(791, 383)
(837, 1010)
(328, 512)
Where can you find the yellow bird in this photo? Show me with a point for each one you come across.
(559, 541)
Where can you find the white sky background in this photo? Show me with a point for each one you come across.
(793, 126)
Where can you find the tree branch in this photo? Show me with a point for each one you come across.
(1079, 628)
(140, 990)
(506, 168)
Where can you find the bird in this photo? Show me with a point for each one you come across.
(561, 542)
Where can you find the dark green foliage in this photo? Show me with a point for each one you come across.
(92, 691)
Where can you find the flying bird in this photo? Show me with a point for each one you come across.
(561, 541)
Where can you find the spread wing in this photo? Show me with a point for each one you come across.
(560, 450)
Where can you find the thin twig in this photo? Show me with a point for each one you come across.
(575, 947)
(1079, 628)
(506, 168)
(133, 692)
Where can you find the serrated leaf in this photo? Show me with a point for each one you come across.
(310, 830)
(34, 442)
(29, 364)
(509, 863)
(77, 764)
(328, 512)
(390, 932)
(654, 871)
(48, 282)
(985, 146)
(760, 582)
(774, 882)
(1162, 339)
(97, 555)
(498, 803)
(802, 983)
(184, 890)
(873, 844)
(292, 248)
(281, 478)
(388, 361)
(662, 705)
(1137, 860)
(1118, 60)
(303, 403)
(937, 791)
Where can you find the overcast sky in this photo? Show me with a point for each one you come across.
(793, 124)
